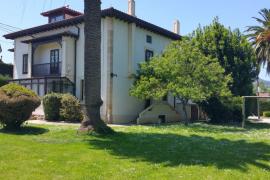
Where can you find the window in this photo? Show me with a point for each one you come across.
(149, 39)
(82, 90)
(54, 62)
(148, 54)
(25, 64)
(56, 18)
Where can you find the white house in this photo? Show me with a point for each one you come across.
(50, 57)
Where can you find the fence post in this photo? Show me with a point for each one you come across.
(243, 112)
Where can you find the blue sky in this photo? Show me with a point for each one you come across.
(191, 13)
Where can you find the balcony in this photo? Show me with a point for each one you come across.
(47, 69)
(45, 85)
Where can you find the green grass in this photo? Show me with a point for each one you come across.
(199, 151)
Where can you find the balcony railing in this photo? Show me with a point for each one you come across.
(48, 69)
(45, 85)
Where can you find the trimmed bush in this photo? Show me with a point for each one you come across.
(70, 109)
(3, 80)
(264, 106)
(266, 114)
(64, 107)
(223, 110)
(6, 69)
(16, 105)
(51, 105)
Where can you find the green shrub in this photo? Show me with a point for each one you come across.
(3, 80)
(16, 105)
(70, 109)
(6, 69)
(51, 105)
(266, 114)
(264, 106)
(223, 110)
(64, 107)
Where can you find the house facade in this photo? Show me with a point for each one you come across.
(50, 57)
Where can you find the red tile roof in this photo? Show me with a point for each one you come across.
(63, 9)
(51, 37)
(111, 12)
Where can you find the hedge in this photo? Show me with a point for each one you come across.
(51, 104)
(70, 109)
(266, 114)
(4, 80)
(62, 107)
(16, 105)
(6, 69)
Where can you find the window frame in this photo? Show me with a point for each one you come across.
(147, 56)
(56, 18)
(25, 64)
(54, 62)
(149, 39)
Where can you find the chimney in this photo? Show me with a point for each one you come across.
(131, 7)
(176, 27)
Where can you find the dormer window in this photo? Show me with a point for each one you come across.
(53, 19)
(60, 14)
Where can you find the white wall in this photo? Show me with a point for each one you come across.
(80, 60)
(68, 57)
(42, 53)
(125, 107)
(20, 49)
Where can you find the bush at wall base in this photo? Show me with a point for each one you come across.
(51, 104)
(70, 110)
(62, 107)
(266, 114)
(3, 80)
(16, 105)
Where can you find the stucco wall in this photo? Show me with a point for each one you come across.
(125, 107)
(157, 113)
(68, 57)
(20, 49)
(42, 53)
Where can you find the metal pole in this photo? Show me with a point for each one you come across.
(258, 109)
(243, 112)
(258, 99)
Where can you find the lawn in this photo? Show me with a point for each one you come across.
(199, 151)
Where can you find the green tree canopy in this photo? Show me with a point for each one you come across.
(236, 55)
(183, 71)
(233, 51)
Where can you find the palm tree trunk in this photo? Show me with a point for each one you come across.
(92, 67)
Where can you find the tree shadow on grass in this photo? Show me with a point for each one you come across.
(257, 126)
(25, 130)
(224, 128)
(174, 150)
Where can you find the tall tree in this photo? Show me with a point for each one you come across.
(183, 71)
(235, 54)
(260, 37)
(92, 66)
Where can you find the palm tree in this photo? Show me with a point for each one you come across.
(260, 37)
(92, 66)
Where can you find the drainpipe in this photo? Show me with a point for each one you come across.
(75, 61)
